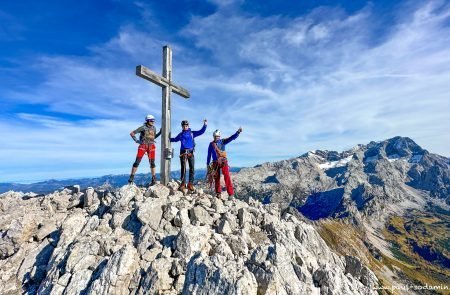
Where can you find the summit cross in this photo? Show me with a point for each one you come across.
(165, 82)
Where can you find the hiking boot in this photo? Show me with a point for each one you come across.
(131, 179)
(182, 186)
(219, 195)
(153, 181)
(191, 187)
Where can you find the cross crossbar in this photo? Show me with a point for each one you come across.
(151, 76)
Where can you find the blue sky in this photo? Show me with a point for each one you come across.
(296, 75)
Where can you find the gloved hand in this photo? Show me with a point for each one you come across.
(240, 129)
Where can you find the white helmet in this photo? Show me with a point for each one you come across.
(216, 133)
(149, 118)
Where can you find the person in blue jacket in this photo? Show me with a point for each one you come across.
(216, 152)
(187, 148)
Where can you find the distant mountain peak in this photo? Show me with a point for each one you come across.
(369, 180)
(393, 148)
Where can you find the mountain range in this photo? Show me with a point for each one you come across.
(373, 219)
(367, 181)
(107, 181)
(390, 198)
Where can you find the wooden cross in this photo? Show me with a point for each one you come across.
(164, 81)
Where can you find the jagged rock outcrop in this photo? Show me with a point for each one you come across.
(137, 241)
(367, 182)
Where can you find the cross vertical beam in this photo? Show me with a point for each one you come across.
(166, 117)
(165, 82)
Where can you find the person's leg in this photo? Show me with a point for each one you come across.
(228, 183)
(133, 172)
(217, 181)
(140, 154)
(152, 169)
(191, 161)
(151, 156)
(183, 172)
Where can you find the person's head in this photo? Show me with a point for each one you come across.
(216, 135)
(185, 124)
(150, 120)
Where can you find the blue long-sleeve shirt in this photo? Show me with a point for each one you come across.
(187, 138)
(220, 145)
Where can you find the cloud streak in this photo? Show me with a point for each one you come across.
(324, 80)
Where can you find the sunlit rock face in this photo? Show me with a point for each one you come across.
(367, 182)
(142, 241)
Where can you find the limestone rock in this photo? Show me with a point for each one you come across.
(150, 212)
(191, 239)
(224, 227)
(207, 275)
(73, 189)
(165, 242)
(158, 191)
(45, 230)
(157, 278)
(116, 275)
(200, 215)
(182, 218)
(170, 212)
(91, 200)
(360, 272)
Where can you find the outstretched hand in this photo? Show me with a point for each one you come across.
(240, 129)
(205, 122)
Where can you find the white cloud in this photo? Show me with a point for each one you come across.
(225, 3)
(318, 81)
(328, 77)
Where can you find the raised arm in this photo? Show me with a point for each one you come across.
(231, 138)
(201, 131)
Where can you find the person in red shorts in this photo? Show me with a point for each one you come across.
(216, 151)
(147, 135)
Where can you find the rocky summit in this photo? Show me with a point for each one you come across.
(138, 241)
(362, 221)
(366, 183)
(387, 203)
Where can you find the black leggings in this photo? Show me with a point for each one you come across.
(138, 160)
(191, 162)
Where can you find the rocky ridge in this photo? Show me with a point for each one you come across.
(368, 182)
(137, 241)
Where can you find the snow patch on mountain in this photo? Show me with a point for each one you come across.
(335, 164)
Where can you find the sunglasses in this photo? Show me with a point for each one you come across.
(151, 121)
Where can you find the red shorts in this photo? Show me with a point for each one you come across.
(150, 149)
